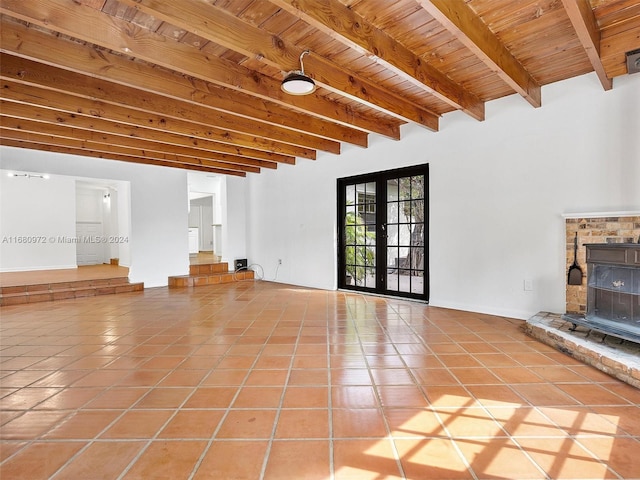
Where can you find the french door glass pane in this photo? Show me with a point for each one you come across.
(350, 195)
(393, 255)
(350, 219)
(392, 190)
(392, 235)
(392, 212)
(370, 278)
(404, 211)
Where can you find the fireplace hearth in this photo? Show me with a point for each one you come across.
(579, 334)
(615, 357)
(613, 291)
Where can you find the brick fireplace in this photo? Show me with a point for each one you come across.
(594, 229)
(613, 291)
(616, 357)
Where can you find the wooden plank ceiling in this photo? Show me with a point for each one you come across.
(195, 84)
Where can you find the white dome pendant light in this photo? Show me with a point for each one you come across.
(296, 82)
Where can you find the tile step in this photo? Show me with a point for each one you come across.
(180, 281)
(208, 268)
(47, 292)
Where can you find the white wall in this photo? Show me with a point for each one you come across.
(158, 237)
(498, 189)
(123, 217)
(32, 229)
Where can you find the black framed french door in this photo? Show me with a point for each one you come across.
(383, 232)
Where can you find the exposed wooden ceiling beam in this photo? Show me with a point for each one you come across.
(353, 86)
(219, 26)
(196, 101)
(81, 107)
(123, 158)
(343, 24)
(458, 18)
(106, 143)
(586, 27)
(42, 47)
(78, 109)
(40, 142)
(91, 25)
(133, 136)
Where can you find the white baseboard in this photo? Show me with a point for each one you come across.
(483, 309)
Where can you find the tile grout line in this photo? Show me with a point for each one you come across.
(177, 410)
(434, 410)
(200, 459)
(488, 412)
(389, 437)
(332, 473)
(513, 438)
(229, 407)
(71, 413)
(131, 407)
(267, 454)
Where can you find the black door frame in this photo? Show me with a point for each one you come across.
(380, 178)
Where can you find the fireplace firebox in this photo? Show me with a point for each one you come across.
(613, 291)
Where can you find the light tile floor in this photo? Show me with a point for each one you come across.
(260, 380)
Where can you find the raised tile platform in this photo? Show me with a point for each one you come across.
(47, 292)
(620, 359)
(209, 274)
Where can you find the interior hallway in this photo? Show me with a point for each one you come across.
(261, 380)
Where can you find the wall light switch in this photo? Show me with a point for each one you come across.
(528, 285)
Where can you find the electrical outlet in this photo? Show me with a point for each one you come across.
(279, 261)
(528, 285)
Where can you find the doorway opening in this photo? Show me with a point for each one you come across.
(103, 213)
